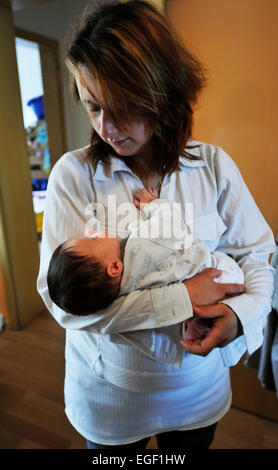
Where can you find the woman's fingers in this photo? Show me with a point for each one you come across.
(228, 288)
(212, 272)
(203, 288)
(225, 328)
(232, 289)
(203, 346)
(210, 311)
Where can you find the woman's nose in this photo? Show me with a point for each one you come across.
(107, 128)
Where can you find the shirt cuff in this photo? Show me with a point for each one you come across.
(232, 353)
(172, 305)
(246, 309)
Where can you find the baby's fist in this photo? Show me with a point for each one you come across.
(143, 196)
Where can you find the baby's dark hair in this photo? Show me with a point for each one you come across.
(78, 284)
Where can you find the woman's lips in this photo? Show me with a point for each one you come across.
(118, 142)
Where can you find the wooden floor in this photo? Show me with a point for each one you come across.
(31, 397)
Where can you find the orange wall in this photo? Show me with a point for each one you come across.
(238, 41)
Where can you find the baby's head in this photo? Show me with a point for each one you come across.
(84, 274)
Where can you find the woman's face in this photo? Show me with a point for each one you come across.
(136, 137)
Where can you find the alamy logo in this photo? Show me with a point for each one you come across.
(160, 218)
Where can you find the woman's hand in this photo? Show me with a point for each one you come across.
(203, 290)
(225, 327)
(204, 294)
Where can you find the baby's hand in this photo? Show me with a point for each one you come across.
(144, 196)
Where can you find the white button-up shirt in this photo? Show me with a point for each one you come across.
(198, 393)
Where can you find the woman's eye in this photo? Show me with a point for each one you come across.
(94, 109)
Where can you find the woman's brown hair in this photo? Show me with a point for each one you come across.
(140, 70)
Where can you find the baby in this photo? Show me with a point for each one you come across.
(87, 274)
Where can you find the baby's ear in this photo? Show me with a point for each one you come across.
(115, 268)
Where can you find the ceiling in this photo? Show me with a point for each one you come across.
(20, 4)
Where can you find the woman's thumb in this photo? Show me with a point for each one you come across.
(206, 311)
(214, 272)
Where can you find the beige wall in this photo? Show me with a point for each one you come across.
(237, 40)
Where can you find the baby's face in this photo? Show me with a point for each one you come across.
(99, 245)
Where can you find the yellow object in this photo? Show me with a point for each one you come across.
(39, 218)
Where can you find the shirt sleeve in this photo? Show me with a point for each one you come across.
(249, 241)
(69, 193)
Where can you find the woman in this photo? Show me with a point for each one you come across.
(138, 85)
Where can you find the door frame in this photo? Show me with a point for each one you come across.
(19, 250)
(53, 95)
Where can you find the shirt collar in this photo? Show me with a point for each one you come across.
(192, 163)
(195, 151)
(105, 172)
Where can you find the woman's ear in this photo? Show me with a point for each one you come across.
(115, 268)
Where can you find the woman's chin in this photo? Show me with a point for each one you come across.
(124, 151)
